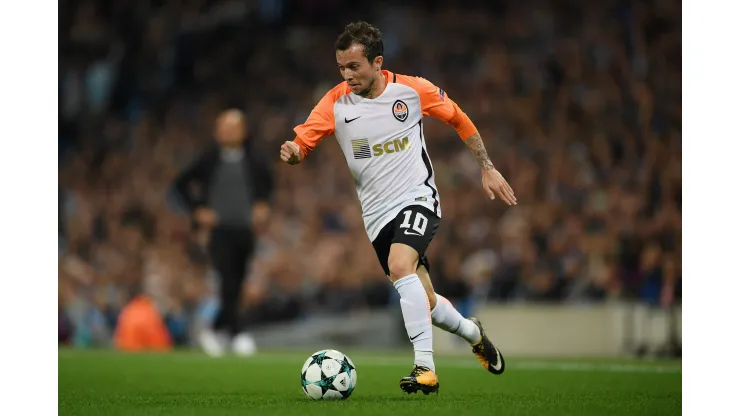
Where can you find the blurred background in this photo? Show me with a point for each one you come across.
(579, 103)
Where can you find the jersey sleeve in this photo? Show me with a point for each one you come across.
(436, 103)
(320, 122)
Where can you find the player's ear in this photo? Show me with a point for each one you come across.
(378, 62)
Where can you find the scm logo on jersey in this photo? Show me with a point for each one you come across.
(391, 146)
(400, 111)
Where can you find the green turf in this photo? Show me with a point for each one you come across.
(189, 383)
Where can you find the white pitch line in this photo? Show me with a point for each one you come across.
(603, 367)
(596, 367)
(541, 365)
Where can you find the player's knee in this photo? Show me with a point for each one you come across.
(400, 266)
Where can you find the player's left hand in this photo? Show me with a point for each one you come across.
(495, 185)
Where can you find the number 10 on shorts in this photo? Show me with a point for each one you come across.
(420, 222)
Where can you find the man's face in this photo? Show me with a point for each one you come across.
(230, 129)
(357, 70)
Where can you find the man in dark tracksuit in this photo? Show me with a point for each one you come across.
(227, 192)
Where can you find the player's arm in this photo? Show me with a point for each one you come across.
(436, 103)
(493, 181)
(320, 124)
(478, 149)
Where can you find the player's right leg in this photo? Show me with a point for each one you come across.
(446, 317)
(398, 253)
(415, 307)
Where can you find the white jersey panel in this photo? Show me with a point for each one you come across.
(383, 143)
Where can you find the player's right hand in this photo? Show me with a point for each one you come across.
(290, 153)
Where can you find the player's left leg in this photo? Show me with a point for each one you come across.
(446, 317)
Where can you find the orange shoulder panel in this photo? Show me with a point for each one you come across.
(320, 122)
(436, 103)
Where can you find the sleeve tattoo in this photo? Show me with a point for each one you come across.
(475, 144)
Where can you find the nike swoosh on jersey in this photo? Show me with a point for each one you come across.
(408, 233)
(351, 120)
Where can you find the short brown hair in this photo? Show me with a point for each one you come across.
(361, 33)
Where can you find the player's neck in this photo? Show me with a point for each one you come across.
(378, 87)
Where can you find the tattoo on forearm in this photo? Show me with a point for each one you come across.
(475, 144)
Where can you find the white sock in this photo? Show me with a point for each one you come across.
(445, 316)
(416, 316)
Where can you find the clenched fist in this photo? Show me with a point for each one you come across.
(290, 153)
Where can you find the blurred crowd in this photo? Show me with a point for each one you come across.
(579, 104)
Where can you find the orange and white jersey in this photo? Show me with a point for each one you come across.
(383, 141)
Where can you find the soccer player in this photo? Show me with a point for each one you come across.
(376, 116)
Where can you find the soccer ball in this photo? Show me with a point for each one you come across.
(328, 375)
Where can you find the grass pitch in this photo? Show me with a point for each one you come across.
(189, 383)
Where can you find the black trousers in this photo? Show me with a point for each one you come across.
(231, 252)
